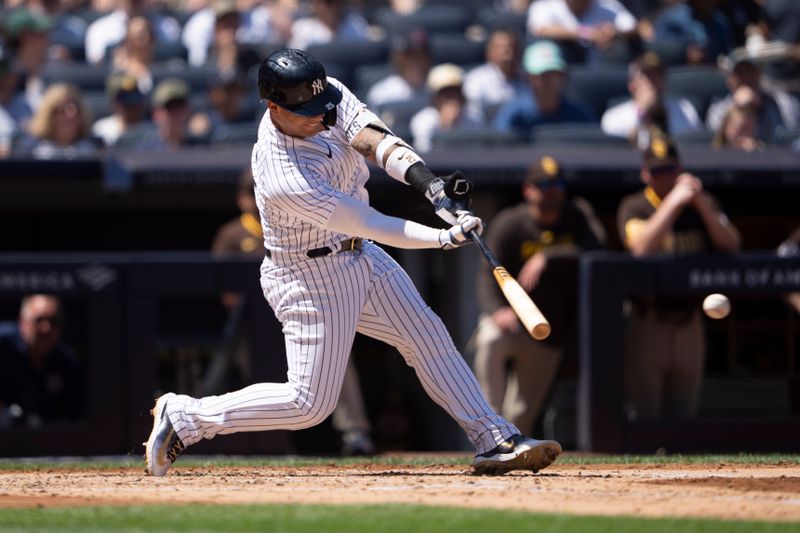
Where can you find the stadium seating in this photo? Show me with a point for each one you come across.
(573, 133)
(397, 115)
(489, 19)
(698, 84)
(84, 76)
(441, 18)
(341, 58)
(462, 139)
(366, 76)
(455, 48)
(596, 86)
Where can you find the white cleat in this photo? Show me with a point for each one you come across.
(163, 446)
(517, 453)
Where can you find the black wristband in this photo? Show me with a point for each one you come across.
(420, 177)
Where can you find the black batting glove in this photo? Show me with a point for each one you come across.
(450, 196)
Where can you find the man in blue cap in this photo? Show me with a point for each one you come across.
(547, 75)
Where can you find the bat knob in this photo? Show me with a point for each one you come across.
(541, 331)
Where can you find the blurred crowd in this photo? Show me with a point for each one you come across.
(81, 76)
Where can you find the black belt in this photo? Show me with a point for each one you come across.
(350, 245)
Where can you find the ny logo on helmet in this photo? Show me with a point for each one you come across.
(316, 87)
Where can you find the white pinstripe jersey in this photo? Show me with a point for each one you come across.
(298, 182)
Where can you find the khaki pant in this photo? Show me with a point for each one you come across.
(665, 363)
(515, 371)
(350, 414)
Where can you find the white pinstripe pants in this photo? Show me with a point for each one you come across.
(321, 304)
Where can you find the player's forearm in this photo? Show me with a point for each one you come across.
(722, 233)
(655, 230)
(393, 155)
(352, 217)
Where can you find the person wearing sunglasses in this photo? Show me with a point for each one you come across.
(41, 378)
(665, 344)
(538, 241)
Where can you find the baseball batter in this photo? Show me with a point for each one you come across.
(326, 281)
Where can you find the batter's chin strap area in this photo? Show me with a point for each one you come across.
(329, 118)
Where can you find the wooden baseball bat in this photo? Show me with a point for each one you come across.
(532, 318)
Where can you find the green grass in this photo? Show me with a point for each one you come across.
(345, 519)
(455, 459)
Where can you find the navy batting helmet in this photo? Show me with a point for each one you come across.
(295, 80)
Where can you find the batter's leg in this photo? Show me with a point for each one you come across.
(319, 314)
(395, 313)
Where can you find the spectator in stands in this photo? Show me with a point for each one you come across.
(227, 96)
(110, 29)
(745, 18)
(411, 61)
(226, 53)
(224, 50)
(230, 367)
(27, 37)
(596, 26)
(41, 381)
(547, 75)
(699, 26)
(330, 21)
(171, 113)
(781, 18)
(134, 55)
(539, 242)
(128, 106)
(448, 111)
(665, 338)
(68, 31)
(777, 110)
(648, 107)
(739, 129)
(8, 85)
(61, 126)
(258, 23)
(500, 79)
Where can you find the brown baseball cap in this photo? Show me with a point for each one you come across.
(544, 169)
(660, 151)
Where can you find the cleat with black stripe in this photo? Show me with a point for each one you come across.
(517, 453)
(163, 446)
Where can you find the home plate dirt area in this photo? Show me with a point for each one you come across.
(728, 491)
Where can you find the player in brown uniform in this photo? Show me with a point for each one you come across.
(544, 228)
(791, 248)
(665, 337)
(243, 234)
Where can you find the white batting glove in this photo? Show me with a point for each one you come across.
(457, 235)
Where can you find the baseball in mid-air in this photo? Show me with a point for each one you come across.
(717, 305)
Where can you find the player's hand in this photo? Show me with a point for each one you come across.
(531, 271)
(450, 195)
(506, 320)
(458, 235)
(686, 189)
